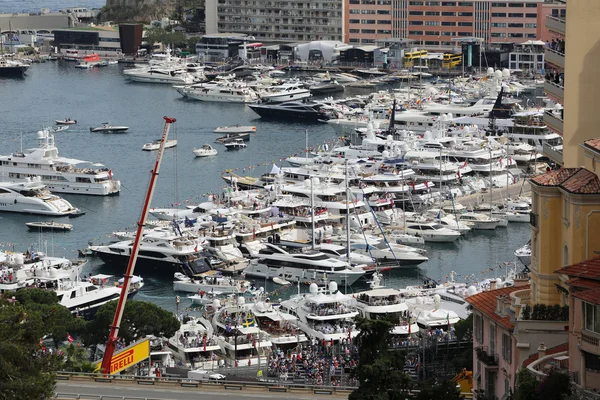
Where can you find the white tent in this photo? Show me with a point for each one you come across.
(533, 43)
(328, 49)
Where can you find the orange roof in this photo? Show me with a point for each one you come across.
(583, 283)
(593, 144)
(553, 350)
(573, 180)
(590, 296)
(486, 303)
(588, 269)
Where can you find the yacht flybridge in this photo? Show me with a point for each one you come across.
(59, 174)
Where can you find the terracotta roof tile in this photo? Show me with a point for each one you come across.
(486, 303)
(573, 180)
(588, 269)
(591, 296)
(583, 283)
(593, 143)
(553, 350)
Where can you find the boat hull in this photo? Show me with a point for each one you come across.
(13, 71)
(280, 113)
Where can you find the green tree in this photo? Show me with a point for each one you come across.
(58, 320)
(445, 390)
(556, 386)
(380, 372)
(526, 385)
(139, 319)
(77, 359)
(25, 373)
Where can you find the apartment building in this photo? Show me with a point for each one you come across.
(278, 21)
(434, 23)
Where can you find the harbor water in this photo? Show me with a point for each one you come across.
(57, 90)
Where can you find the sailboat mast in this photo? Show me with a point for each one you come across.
(347, 214)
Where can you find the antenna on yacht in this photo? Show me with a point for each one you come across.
(113, 337)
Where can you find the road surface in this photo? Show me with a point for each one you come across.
(112, 391)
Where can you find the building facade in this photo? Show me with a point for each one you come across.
(435, 23)
(103, 41)
(277, 21)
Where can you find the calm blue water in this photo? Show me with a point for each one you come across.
(58, 90)
(13, 6)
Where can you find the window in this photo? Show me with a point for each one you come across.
(371, 31)
(498, 24)
(465, 14)
(354, 40)
(431, 43)
(384, 31)
(432, 3)
(465, 24)
(515, 15)
(383, 12)
(447, 33)
(415, 22)
(499, 15)
(591, 317)
(415, 3)
(432, 23)
(415, 33)
(492, 338)
(515, 35)
(354, 30)
(465, 4)
(531, 5)
(531, 35)
(384, 22)
(354, 12)
(507, 348)
(448, 23)
(466, 34)
(533, 26)
(415, 13)
(368, 41)
(448, 13)
(367, 21)
(515, 5)
(530, 15)
(498, 4)
(432, 13)
(497, 34)
(478, 327)
(514, 25)
(448, 4)
(432, 33)
(368, 11)
(355, 21)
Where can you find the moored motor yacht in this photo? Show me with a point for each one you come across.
(59, 174)
(524, 254)
(32, 197)
(205, 151)
(106, 127)
(235, 129)
(432, 232)
(208, 282)
(194, 344)
(235, 144)
(155, 145)
(284, 92)
(48, 226)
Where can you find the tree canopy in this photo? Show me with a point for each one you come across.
(139, 320)
(446, 390)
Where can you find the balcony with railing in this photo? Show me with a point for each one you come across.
(556, 24)
(555, 58)
(486, 358)
(552, 152)
(554, 121)
(554, 90)
(590, 341)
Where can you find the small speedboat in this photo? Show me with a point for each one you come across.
(281, 281)
(48, 226)
(235, 144)
(60, 128)
(233, 136)
(109, 128)
(156, 144)
(66, 121)
(205, 151)
(235, 129)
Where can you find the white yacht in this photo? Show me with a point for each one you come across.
(210, 281)
(519, 211)
(430, 315)
(239, 336)
(159, 74)
(195, 346)
(223, 93)
(449, 221)
(160, 252)
(324, 315)
(32, 197)
(471, 219)
(205, 151)
(391, 254)
(524, 254)
(285, 92)
(282, 327)
(304, 265)
(432, 232)
(381, 302)
(59, 174)
(155, 145)
(529, 128)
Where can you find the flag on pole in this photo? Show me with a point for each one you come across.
(70, 338)
(448, 319)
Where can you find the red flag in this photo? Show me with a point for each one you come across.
(110, 174)
(70, 338)
(458, 173)
(409, 326)
(204, 343)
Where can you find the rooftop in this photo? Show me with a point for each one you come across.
(486, 303)
(590, 296)
(593, 144)
(572, 180)
(553, 350)
(588, 269)
(583, 283)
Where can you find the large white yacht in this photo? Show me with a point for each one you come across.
(160, 252)
(160, 74)
(223, 93)
(281, 326)
(195, 346)
(239, 336)
(32, 197)
(59, 174)
(305, 265)
(325, 315)
(285, 92)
